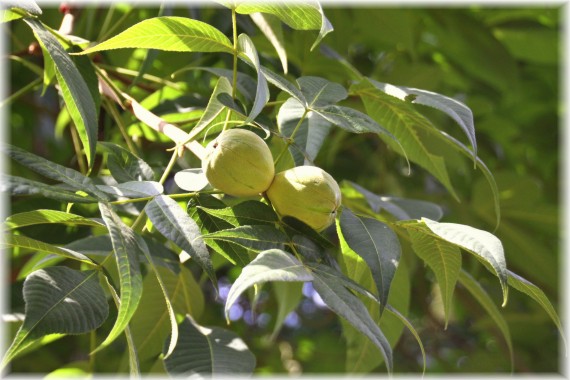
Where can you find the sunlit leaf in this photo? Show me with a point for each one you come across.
(271, 27)
(31, 218)
(134, 189)
(445, 261)
(170, 34)
(481, 243)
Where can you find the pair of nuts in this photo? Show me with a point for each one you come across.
(238, 162)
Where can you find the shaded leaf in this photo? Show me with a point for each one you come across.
(70, 177)
(170, 34)
(377, 244)
(29, 6)
(400, 208)
(208, 351)
(309, 136)
(247, 48)
(172, 222)
(348, 306)
(208, 223)
(255, 238)
(127, 252)
(320, 92)
(487, 303)
(75, 92)
(534, 292)
(283, 84)
(288, 295)
(270, 265)
(124, 165)
(248, 212)
(22, 186)
(59, 300)
(134, 189)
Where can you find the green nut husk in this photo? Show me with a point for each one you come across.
(307, 193)
(239, 163)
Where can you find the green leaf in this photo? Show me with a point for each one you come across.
(534, 292)
(341, 301)
(270, 265)
(7, 15)
(406, 124)
(300, 16)
(70, 177)
(216, 111)
(191, 179)
(150, 325)
(59, 300)
(377, 244)
(208, 351)
(287, 295)
(31, 218)
(271, 27)
(445, 261)
(247, 48)
(235, 254)
(248, 212)
(75, 92)
(283, 84)
(400, 208)
(254, 238)
(245, 84)
(29, 6)
(454, 108)
(483, 298)
(23, 186)
(484, 245)
(172, 222)
(169, 34)
(309, 136)
(22, 241)
(127, 252)
(320, 92)
(124, 165)
(134, 189)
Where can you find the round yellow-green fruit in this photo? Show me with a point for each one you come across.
(307, 193)
(238, 162)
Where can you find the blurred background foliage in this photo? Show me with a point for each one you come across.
(504, 63)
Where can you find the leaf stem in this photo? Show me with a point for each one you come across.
(111, 108)
(291, 138)
(29, 87)
(235, 52)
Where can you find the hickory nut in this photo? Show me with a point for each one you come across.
(239, 163)
(307, 193)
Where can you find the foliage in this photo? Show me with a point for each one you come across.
(134, 251)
